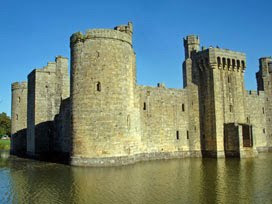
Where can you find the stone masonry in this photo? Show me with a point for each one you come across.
(106, 118)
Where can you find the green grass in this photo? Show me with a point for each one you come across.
(4, 144)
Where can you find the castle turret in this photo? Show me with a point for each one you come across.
(264, 83)
(191, 47)
(18, 117)
(102, 95)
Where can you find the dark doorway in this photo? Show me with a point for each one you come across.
(247, 136)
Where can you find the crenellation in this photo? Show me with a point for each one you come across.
(19, 85)
(104, 118)
(101, 34)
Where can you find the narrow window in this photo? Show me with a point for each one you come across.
(16, 116)
(243, 64)
(263, 110)
(238, 64)
(177, 135)
(98, 86)
(230, 108)
(233, 63)
(248, 120)
(228, 62)
(183, 107)
(218, 61)
(144, 106)
(187, 134)
(128, 121)
(224, 62)
(264, 130)
(19, 99)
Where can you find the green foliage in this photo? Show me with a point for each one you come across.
(5, 124)
(4, 144)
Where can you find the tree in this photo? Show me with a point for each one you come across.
(5, 124)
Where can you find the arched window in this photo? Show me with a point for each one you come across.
(98, 86)
(224, 62)
(228, 63)
(218, 61)
(144, 106)
(17, 117)
(19, 99)
(233, 63)
(238, 64)
(243, 64)
(183, 107)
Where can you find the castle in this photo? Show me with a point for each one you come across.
(102, 117)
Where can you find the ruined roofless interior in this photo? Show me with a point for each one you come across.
(100, 116)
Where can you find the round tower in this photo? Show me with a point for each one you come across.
(102, 94)
(18, 117)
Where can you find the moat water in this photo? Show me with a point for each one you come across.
(191, 180)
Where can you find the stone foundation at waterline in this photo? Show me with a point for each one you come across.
(102, 117)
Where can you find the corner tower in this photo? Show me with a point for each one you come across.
(102, 95)
(47, 87)
(219, 75)
(264, 83)
(18, 117)
(191, 47)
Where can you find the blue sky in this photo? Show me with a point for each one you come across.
(34, 32)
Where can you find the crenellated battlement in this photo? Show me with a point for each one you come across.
(255, 93)
(222, 59)
(19, 85)
(122, 33)
(191, 39)
(125, 28)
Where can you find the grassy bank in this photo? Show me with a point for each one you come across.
(4, 144)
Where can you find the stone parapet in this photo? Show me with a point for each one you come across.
(19, 85)
(100, 33)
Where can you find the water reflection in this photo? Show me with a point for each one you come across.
(172, 181)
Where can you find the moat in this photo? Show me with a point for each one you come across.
(190, 180)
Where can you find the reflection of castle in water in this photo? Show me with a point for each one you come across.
(175, 181)
(107, 119)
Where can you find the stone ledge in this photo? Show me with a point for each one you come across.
(125, 160)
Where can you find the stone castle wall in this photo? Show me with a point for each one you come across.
(107, 119)
(165, 118)
(256, 115)
(47, 87)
